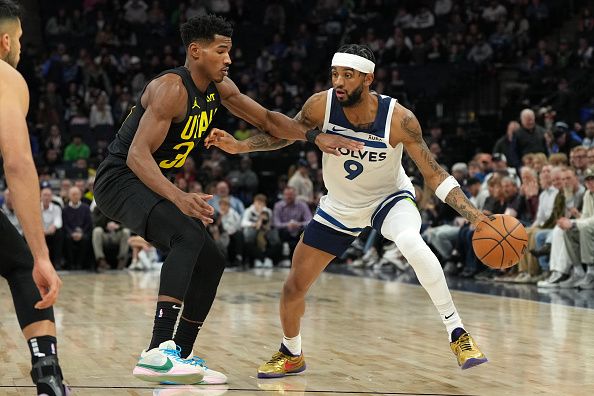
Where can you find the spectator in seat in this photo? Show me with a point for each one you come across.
(109, 233)
(78, 225)
(507, 145)
(51, 215)
(76, 149)
(590, 156)
(563, 139)
(579, 161)
(266, 246)
(302, 183)
(222, 191)
(580, 240)
(290, 218)
(530, 136)
(251, 215)
(551, 206)
(588, 141)
(231, 222)
(566, 271)
(101, 112)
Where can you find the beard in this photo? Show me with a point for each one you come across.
(12, 58)
(352, 98)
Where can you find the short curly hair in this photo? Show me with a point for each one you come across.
(358, 49)
(10, 10)
(204, 28)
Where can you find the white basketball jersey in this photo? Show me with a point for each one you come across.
(359, 179)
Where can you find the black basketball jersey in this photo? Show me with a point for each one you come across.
(183, 136)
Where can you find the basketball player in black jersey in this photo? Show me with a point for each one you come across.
(33, 282)
(172, 117)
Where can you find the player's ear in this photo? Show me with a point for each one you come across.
(368, 79)
(5, 42)
(195, 50)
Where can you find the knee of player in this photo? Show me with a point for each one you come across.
(409, 241)
(190, 235)
(294, 288)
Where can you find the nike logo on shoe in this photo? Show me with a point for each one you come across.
(450, 315)
(176, 307)
(168, 365)
(289, 366)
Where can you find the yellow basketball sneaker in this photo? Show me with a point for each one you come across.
(281, 364)
(466, 349)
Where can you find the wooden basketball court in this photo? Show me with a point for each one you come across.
(361, 336)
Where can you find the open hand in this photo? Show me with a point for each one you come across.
(195, 205)
(330, 144)
(223, 140)
(47, 281)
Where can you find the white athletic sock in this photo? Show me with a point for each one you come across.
(293, 344)
(449, 317)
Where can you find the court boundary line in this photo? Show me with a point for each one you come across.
(341, 392)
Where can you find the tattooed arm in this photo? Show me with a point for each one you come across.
(281, 126)
(406, 130)
(258, 142)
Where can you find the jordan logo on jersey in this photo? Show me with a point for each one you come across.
(195, 104)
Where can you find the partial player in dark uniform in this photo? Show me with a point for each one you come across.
(33, 282)
(173, 116)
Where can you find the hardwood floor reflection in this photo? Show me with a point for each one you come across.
(360, 335)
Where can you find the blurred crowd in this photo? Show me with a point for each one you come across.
(94, 57)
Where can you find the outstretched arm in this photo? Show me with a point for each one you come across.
(259, 142)
(408, 132)
(279, 125)
(271, 122)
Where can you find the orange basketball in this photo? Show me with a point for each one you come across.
(500, 241)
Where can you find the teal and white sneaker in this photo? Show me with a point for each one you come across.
(211, 377)
(189, 390)
(164, 365)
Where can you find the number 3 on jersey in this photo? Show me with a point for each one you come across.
(353, 169)
(179, 159)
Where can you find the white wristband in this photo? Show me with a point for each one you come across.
(445, 187)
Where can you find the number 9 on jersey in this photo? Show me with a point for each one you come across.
(353, 169)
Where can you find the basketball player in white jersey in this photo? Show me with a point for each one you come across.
(365, 188)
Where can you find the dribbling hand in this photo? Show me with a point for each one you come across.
(47, 281)
(195, 205)
(331, 143)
